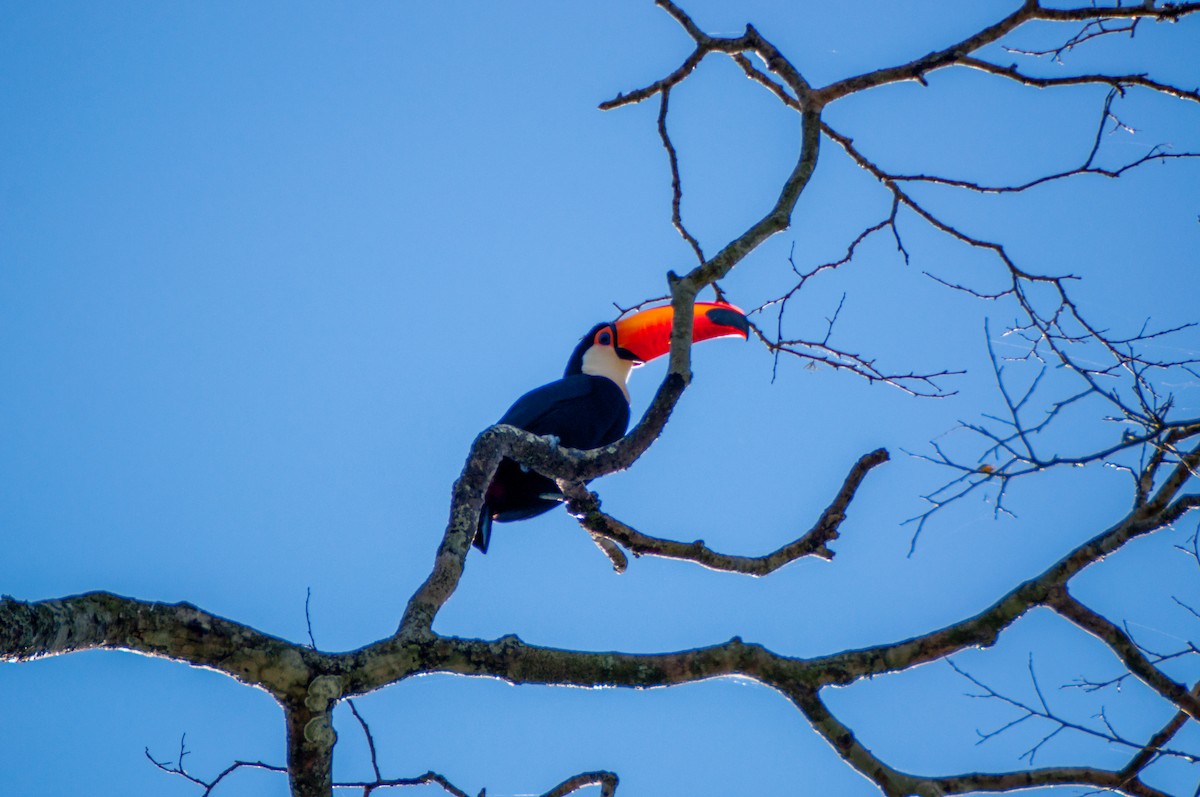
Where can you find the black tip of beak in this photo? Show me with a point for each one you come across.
(729, 318)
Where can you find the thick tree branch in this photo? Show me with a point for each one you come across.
(179, 631)
(518, 662)
(310, 741)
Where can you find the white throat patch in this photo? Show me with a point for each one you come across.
(603, 361)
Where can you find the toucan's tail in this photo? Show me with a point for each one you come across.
(483, 532)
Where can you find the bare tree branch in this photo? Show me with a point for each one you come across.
(177, 768)
(959, 52)
(1125, 648)
(676, 185)
(1043, 711)
(815, 542)
(894, 783)
(1117, 82)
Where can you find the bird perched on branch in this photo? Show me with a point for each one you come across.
(589, 406)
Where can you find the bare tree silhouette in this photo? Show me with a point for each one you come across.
(1061, 363)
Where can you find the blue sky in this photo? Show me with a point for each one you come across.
(266, 270)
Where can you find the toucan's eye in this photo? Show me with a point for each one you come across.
(604, 338)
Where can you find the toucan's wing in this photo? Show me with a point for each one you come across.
(582, 411)
(531, 409)
(568, 409)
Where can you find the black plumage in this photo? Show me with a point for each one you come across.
(581, 410)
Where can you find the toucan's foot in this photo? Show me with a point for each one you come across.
(559, 497)
(579, 507)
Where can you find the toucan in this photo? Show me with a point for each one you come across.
(589, 406)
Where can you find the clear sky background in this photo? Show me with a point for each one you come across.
(266, 270)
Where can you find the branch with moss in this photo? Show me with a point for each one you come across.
(316, 681)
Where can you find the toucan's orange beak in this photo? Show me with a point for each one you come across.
(647, 334)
